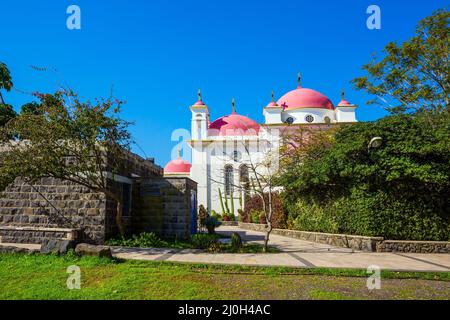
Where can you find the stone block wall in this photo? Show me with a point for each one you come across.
(164, 207)
(362, 243)
(52, 203)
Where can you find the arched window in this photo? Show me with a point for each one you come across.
(327, 120)
(229, 179)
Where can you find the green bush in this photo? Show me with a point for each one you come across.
(204, 240)
(399, 190)
(371, 214)
(311, 217)
(142, 240)
(254, 203)
(254, 216)
(236, 241)
(211, 224)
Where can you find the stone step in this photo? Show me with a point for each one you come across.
(36, 235)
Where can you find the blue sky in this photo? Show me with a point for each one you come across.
(156, 54)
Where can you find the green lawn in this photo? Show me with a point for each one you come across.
(44, 277)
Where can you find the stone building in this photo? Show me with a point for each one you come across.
(55, 209)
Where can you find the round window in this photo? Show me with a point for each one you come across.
(309, 118)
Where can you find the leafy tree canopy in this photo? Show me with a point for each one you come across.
(414, 75)
(67, 139)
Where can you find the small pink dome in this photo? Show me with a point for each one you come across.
(199, 103)
(178, 166)
(344, 103)
(233, 125)
(305, 98)
(272, 104)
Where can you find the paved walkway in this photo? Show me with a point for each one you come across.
(296, 253)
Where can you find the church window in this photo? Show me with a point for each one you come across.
(229, 179)
(309, 118)
(327, 120)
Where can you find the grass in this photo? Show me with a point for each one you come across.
(44, 277)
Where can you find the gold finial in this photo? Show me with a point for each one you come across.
(199, 95)
(233, 107)
(273, 96)
(179, 152)
(299, 79)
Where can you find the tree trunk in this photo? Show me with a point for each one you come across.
(269, 222)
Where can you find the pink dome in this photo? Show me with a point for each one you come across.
(305, 98)
(233, 125)
(344, 103)
(199, 103)
(178, 166)
(272, 104)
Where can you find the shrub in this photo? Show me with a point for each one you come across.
(214, 214)
(215, 247)
(254, 216)
(225, 217)
(398, 190)
(311, 217)
(202, 215)
(236, 241)
(279, 215)
(142, 240)
(211, 224)
(242, 216)
(370, 214)
(203, 240)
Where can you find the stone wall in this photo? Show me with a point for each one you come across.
(51, 203)
(164, 207)
(341, 240)
(16, 234)
(414, 246)
(370, 244)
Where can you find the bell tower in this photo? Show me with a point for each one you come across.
(200, 119)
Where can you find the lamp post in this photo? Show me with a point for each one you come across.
(374, 143)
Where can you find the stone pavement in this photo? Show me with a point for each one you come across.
(295, 253)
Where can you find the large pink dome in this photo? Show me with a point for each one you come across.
(233, 125)
(177, 166)
(305, 98)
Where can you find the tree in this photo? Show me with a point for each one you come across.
(5, 80)
(6, 114)
(262, 173)
(413, 76)
(31, 108)
(67, 139)
(6, 110)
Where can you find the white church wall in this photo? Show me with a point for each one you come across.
(346, 114)
(299, 115)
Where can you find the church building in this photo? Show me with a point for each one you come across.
(226, 152)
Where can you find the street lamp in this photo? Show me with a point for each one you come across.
(375, 143)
